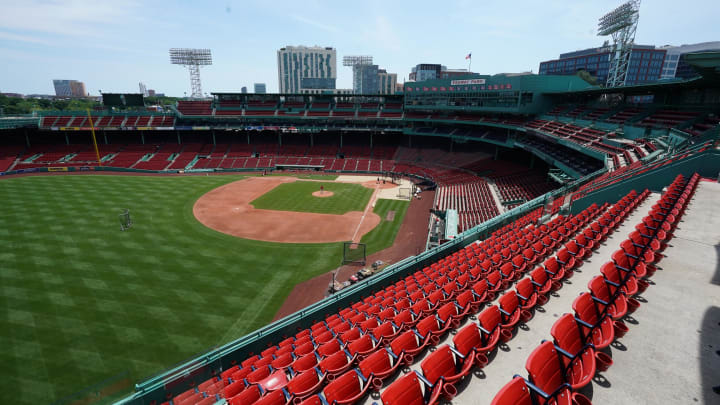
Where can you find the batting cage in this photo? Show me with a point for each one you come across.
(354, 253)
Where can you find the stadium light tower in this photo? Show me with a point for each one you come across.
(357, 62)
(193, 59)
(621, 24)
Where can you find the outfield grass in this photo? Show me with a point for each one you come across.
(297, 196)
(383, 236)
(81, 301)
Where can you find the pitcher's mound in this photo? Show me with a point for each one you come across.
(323, 194)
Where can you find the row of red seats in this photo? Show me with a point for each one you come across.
(571, 360)
(448, 365)
(335, 344)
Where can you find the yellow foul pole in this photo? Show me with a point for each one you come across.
(92, 130)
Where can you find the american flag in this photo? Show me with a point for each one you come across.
(469, 56)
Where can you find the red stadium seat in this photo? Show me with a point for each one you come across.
(305, 384)
(346, 389)
(408, 390)
(578, 356)
(446, 365)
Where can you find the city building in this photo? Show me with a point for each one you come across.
(431, 71)
(69, 88)
(386, 82)
(260, 88)
(151, 93)
(675, 65)
(645, 65)
(301, 67)
(243, 89)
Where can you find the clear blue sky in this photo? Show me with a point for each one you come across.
(113, 45)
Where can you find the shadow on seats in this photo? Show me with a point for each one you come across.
(716, 276)
(709, 358)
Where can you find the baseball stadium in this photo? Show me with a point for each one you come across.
(504, 239)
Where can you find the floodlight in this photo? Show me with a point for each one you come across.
(193, 59)
(621, 24)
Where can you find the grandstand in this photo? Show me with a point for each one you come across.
(481, 303)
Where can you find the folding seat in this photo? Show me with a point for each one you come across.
(586, 242)
(487, 266)
(374, 309)
(410, 389)
(567, 260)
(507, 271)
(422, 308)
(304, 363)
(628, 264)
(604, 294)
(405, 319)
(410, 343)
(497, 259)
(463, 280)
(496, 283)
(385, 332)
(637, 253)
(246, 397)
(347, 389)
(577, 251)
(335, 364)
(258, 375)
(432, 325)
(275, 381)
(340, 328)
(642, 241)
(304, 349)
(328, 348)
(304, 384)
(233, 389)
(529, 257)
(546, 372)
(597, 327)
(369, 325)
(240, 374)
(578, 355)
(189, 398)
(361, 347)
(542, 282)
(283, 361)
(269, 351)
(555, 269)
(549, 243)
(522, 392)
(650, 233)
(526, 293)
(446, 366)
(324, 337)
(539, 249)
(228, 373)
(271, 398)
(506, 253)
(599, 231)
(263, 361)
(627, 281)
(380, 365)
(450, 289)
(519, 264)
(510, 310)
(350, 335)
(480, 293)
(210, 400)
(250, 361)
(449, 313)
(464, 304)
(402, 304)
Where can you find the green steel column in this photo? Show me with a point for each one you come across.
(105, 137)
(312, 141)
(67, 139)
(178, 135)
(341, 140)
(280, 139)
(497, 152)
(532, 161)
(213, 134)
(142, 137)
(27, 138)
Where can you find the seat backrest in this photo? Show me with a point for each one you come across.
(584, 308)
(525, 287)
(427, 325)
(247, 397)
(420, 306)
(467, 338)
(233, 389)
(334, 361)
(539, 275)
(567, 335)
(464, 298)
(516, 392)
(490, 318)
(406, 341)
(344, 387)
(440, 363)
(375, 363)
(480, 287)
(404, 391)
(369, 324)
(544, 367)
(494, 277)
(271, 398)
(599, 288)
(552, 265)
(385, 329)
(509, 301)
(446, 311)
(258, 374)
(304, 349)
(363, 344)
(350, 335)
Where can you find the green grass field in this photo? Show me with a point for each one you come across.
(383, 235)
(297, 196)
(81, 301)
